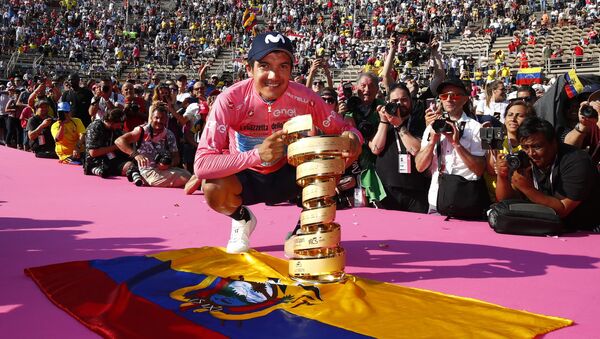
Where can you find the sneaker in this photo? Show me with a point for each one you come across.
(239, 241)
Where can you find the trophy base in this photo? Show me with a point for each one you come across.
(332, 278)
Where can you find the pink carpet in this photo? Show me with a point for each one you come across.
(51, 213)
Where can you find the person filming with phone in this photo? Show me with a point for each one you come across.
(395, 143)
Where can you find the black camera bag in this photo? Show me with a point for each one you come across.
(458, 197)
(514, 216)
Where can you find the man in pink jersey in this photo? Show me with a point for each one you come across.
(241, 155)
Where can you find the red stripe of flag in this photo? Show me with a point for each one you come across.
(109, 309)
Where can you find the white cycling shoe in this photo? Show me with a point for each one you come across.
(239, 241)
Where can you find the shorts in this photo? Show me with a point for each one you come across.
(273, 188)
(172, 177)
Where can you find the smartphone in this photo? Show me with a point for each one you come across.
(430, 103)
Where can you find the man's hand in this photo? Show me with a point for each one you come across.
(47, 122)
(432, 114)
(272, 148)
(142, 160)
(522, 180)
(454, 136)
(355, 147)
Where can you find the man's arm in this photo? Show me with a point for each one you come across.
(124, 143)
(389, 63)
(425, 156)
(438, 66)
(562, 206)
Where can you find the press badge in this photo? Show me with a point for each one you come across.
(110, 155)
(41, 140)
(404, 163)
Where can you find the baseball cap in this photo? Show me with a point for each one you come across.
(268, 42)
(594, 96)
(451, 81)
(64, 106)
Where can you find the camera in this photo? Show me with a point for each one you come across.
(441, 125)
(105, 88)
(491, 137)
(60, 115)
(353, 103)
(163, 158)
(589, 112)
(517, 160)
(393, 108)
(415, 35)
(346, 91)
(131, 109)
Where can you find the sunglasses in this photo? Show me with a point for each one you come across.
(329, 100)
(451, 95)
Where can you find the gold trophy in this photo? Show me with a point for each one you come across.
(315, 252)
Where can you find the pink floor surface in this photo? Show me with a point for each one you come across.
(51, 213)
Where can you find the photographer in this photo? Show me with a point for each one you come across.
(40, 138)
(558, 176)
(453, 142)
(586, 133)
(102, 156)
(395, 143)
(79, 97)
(362, 110)
(156, 151)
(516, 112)
(69, 135)
(105, 99)
(318, 85)
(135, 108)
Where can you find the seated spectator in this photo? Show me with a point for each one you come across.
(69, 135)
(461, 152)
(517, 111)
(157, 153)
(558, 176)
(586, 133)
(102, 156)
(41, 141)
(395, 143)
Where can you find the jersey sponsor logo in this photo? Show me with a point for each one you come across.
(327, 122)
(298, 98)
(211, 124)
(290, 112)
(274, 39)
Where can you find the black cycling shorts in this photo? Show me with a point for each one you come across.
(273, 188)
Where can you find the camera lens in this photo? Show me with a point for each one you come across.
(105, 88)
(589, 112)
(391, 108)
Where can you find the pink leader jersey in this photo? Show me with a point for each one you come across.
(240, 120)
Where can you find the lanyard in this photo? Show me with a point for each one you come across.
(401, 149)
(536, 182)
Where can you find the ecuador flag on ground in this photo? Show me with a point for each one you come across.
(529, 76)
(207, 293)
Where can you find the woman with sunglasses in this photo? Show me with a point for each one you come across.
(516, 112)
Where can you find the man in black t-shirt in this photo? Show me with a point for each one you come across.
(80, 99)
(103, 157)
(395, 143)
(40, 138)
(560, 176)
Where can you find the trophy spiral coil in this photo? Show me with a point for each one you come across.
(315, 252)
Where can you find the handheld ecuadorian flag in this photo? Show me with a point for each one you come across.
(573, 85)
(207, 293)
(529, 76)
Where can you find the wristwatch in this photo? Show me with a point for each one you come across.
(577, 129)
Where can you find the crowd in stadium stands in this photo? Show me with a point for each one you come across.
(148, 130)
